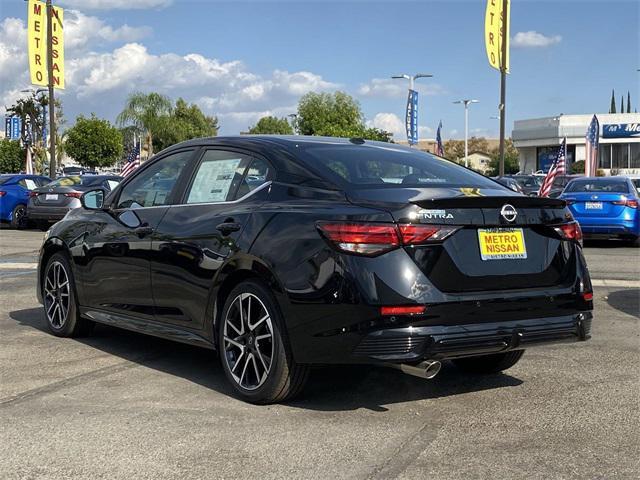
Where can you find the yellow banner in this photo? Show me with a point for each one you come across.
(37, 40)
(493, 33)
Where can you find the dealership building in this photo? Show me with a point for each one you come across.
(538, 139)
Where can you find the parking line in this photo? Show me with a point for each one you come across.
(18, 266)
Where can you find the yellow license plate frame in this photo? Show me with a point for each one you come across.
(502, 244)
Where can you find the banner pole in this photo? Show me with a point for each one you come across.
(503, 83)
(52, 106)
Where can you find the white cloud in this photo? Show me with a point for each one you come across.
(84, 31)
(116, 4)
(533, 39)
(388, 87)
(391, 122)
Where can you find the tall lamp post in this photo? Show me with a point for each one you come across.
(466, 103)
(412, 79)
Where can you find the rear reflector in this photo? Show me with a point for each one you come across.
(627, 203)
(588, 296)
(73, 194)
(402, 310)
(33, 194)
(372, 239)
(570, 231)
(2, 193)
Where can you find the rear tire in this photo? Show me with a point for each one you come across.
(254, 347)
(19, 216)
(60, 300)
(493, 363)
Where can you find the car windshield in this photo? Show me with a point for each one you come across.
(616, 186)
(529, 181)
(76, 180)
(371, 165)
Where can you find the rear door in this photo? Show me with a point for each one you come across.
(196, 237)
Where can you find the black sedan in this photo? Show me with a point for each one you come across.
(287, 252)
(52, 202)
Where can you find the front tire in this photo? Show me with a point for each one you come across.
(493, 363)
(254, 347)
(60, 300)
(19, 216)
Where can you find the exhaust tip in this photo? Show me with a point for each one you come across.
(426, 369)
(432, 370)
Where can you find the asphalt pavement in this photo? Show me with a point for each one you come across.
(120, 405)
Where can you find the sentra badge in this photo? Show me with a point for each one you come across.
(433, 214)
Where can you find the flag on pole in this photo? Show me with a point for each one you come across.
(591, 148)
(133, 161)
(558, 167)
(29, 164)
(439, 146)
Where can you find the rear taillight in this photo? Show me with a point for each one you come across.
(587, 296)
(2, 193)
(372, 239)
(570, 231)
(33, 194)
(73, 194)
(627, 202)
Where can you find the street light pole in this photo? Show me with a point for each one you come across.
(412, 79)
(466, 103)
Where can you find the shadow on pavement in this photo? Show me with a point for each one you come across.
(627, 301)
(331, 388)
(610, 244)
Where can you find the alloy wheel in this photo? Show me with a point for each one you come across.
(248, 341)
(56, 295)
(19, 215)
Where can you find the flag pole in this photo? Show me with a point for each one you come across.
(52, 107)
(503, 83)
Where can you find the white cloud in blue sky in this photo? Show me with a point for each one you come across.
(116, 4)
(533, 39)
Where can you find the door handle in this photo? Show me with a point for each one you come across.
(228, 227)
(143, 231)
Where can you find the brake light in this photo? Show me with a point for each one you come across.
(372, 239)
(2, 193)
(402, 310)
(33, 194)
(570, 231)
(627, 202)
(587, 296)
(73, 194)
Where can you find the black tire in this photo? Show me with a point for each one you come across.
(19, 216)
(493, 363)
(62, 322)
(284, 378)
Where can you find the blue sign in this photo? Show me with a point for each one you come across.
(411, 122)
(621, 130)
(7, 127)
(16, 123)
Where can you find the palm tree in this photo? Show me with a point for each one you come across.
(145, 112)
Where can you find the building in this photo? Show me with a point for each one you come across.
(538, 140)
(479, 161)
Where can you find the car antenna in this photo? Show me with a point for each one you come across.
(357, 140)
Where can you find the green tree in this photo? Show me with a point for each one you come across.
(272, 125)
(454, 149)
(12, 156)
(511, 162)
(93, 142)
(147, 112)
(612, 108)
(577, 167)
(184, 122)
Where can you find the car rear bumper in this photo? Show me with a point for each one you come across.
(410, 344)
(46, 213)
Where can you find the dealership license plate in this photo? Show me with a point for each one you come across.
(501, 243)
(593, 205)
(51, 196)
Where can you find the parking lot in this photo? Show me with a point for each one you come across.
(122, 405)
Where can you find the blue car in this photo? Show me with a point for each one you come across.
(605, 207)
(14, 196)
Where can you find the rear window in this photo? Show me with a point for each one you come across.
(375, 165)
(617, 186)
(76, 180)
(529, 181)
(5, 178)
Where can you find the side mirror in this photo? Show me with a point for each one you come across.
(92, 200)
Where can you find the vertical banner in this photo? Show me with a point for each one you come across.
(493, 33)
(592, 143)
(411, 121)
(37, 42)
(7, 127)
(16, 127)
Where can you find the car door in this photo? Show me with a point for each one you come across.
(116, 274)
(195, 238)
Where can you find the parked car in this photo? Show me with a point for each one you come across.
(559, 184)
(605, 207)
(287, 252)
(69, 171)
(14, 196)
(530, 184)
(509, 183)
(635, 179)
(52, 202)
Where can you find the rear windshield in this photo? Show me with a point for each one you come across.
(5, 178)
(376, 165)
(76, 180)
(617, 186)
(529, 181)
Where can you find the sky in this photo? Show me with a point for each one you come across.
(242, 60)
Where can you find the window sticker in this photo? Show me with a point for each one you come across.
(213, 181)
(30, 184)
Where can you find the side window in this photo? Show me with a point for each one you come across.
(257, 174)
(218, 176)
(28, 183)
(110, 184)
(152, 186)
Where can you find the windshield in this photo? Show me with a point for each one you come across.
(529, 181)
(375, 165)
(604, 186)
(76, 180)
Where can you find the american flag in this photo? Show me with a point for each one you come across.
(439, 146)
(133, 161)
(559, 167)
(591, 147)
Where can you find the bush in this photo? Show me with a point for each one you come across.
(577, 167)
(12, 156)
(93, 142)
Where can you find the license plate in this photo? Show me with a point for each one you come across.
(501, 243)
(593, 205)
(51, 196)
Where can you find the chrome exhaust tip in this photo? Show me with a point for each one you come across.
(425, 369)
